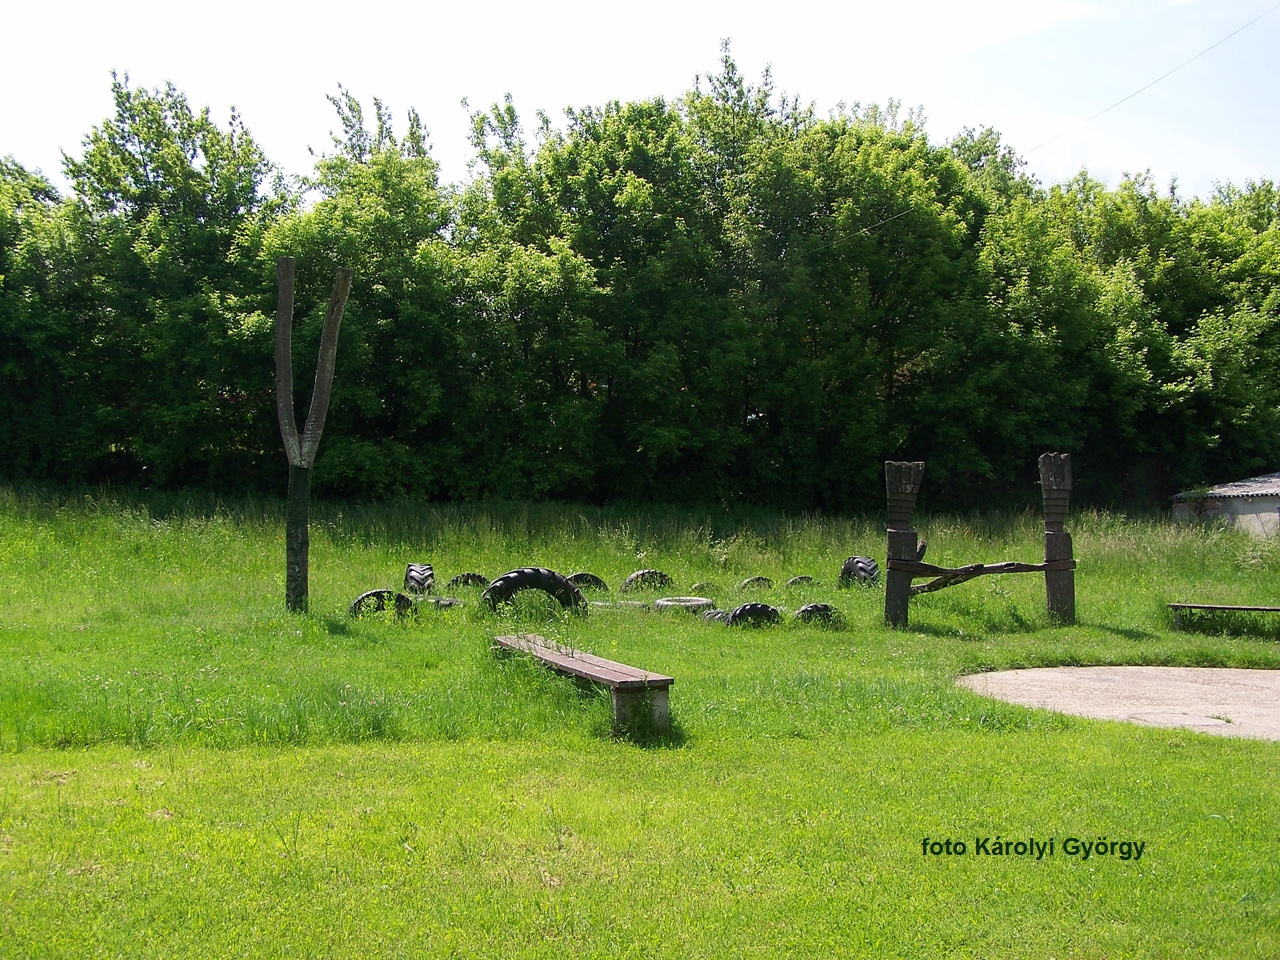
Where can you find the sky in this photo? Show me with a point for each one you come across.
(1035, 71)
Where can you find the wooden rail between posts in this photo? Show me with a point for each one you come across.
(1180, 608)
(905, 550)
(950, 576)
(630, 687)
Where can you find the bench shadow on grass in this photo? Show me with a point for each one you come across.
(1232, 623)
(1128, 633)
(986, 630)
(973, 632)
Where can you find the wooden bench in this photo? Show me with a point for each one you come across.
(632, 689)
(1179, 608)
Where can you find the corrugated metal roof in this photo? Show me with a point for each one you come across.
(1267, 485)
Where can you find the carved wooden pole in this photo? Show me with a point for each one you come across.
(901, 484)
(302, 452)
(1059, 585)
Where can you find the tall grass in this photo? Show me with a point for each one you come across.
(147, 619)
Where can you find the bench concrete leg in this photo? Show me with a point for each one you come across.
(627, 704)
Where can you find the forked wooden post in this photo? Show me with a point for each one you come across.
(301, 451)
(901, 484)
(1060, 585)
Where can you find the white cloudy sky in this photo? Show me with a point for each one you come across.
(1032, 70)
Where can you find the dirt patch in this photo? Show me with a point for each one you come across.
(1221, 701)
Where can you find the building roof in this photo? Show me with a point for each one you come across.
(1267, 485)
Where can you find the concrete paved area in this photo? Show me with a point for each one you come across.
(1226, 702)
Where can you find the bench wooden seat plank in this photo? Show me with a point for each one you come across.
(630, 686)
(1222, 606)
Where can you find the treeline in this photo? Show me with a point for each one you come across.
(723, 298)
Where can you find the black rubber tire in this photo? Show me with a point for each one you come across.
(587, 581)
(715, 616)
(705, 586)
(818, 612)
(690, 604)
(440, 603)
(509, 584)
(466, 580)
(799, 581)
(377, 600)
(645, 580)
(860, 570)
(756, 583)
(419, 578)
(753, 615)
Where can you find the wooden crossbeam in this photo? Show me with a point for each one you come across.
(950, 576)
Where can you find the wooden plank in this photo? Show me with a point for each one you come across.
(918, 569)
(565, 662)
(644, 676)
(619, 676)
(1222, 606)
(944, 581)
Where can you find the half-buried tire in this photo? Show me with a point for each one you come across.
(508, 585)
(419, 578)
(645, 580)
(818, 613)
(587, 581)
(378, 600)
(753, 615)
(860, 570)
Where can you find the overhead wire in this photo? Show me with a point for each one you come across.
(1086, 122)
(1148, 86)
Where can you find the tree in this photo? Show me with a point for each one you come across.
(40, 375)
(163, 196)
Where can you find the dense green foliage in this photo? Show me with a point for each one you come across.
(725, 298)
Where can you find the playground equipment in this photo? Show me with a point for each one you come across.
(645, 580)
(863, 571)
(902, 485)
(419, 578)
(508, 585)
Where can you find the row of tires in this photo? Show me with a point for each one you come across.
(419, 578)
(419, 584)
(746, 614)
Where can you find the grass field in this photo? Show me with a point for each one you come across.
(186, 770)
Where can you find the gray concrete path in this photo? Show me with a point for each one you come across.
(1226, 702)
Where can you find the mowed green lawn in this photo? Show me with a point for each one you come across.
(185, 770)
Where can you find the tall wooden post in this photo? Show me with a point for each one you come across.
(302, 451)
(901, 484)
(1059, 585)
